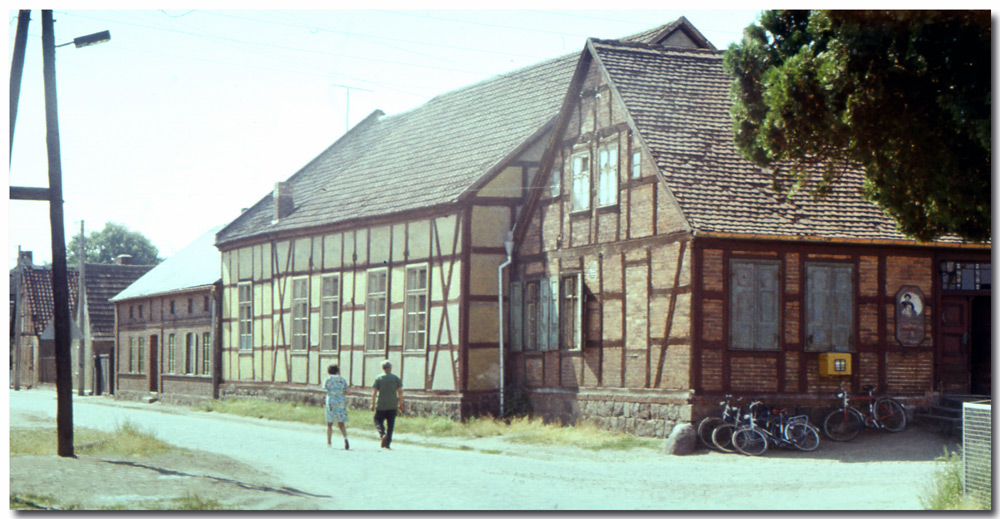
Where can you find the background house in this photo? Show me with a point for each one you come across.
(34, 352)
(168, 327)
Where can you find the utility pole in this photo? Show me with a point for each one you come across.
(81, 311)
(16, 70)
(54, 196)
(60, 285)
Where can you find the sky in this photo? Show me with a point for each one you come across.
(188, 116)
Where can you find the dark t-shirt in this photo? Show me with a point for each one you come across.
(388, 398)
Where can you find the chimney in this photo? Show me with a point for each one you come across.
(123, 259)
(283, 204)
(24, 258)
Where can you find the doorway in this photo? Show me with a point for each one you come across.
(154, 366)
(964, 362)
(980, 358)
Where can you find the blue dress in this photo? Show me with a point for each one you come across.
(336, 398)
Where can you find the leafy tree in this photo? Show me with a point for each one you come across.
(905, 95)
(104, 245)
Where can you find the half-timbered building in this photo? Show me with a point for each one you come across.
(656, 269)
(167, 327)
(387, 246)
(592, 215)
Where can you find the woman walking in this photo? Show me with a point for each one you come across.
(336, 403)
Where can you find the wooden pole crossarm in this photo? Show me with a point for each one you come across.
(30, 193)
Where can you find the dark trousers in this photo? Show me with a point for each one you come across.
(385, 420)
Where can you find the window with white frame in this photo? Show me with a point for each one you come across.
(330, 311)
(754, 323)
(300, 313)
(141, 363)
(581, 181)
(246, 315)
(189, 352)
(829, 307)
(416, 308)
(206, 353)
(636, 164)
(607, 179)
(171, 354)
(376, 310)
(555, 185)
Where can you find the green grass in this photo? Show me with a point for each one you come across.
(945, 491)
(127, 439)
(519, 430)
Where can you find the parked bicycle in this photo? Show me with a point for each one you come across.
(722, 435)
(846, 422)
(773, 426)
(708, 424)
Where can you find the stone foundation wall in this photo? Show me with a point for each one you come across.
(637, 414)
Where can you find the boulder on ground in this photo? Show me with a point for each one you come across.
(681, 440)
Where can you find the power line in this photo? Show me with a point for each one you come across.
(284, 47)
(375, 37)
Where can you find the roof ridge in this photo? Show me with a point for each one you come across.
(657, 47)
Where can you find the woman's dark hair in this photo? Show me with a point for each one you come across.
(333, 369)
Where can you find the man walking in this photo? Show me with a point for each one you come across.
(387, 397)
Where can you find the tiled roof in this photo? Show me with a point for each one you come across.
(197, 264)
(37, 286)
(425, 157)
(679, 101)
(103, 281)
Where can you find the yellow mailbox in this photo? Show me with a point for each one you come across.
(834, 364)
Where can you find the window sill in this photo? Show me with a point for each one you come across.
(610, 208)
(245, 352)
(579, 212)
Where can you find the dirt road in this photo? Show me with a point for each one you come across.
(266, 465)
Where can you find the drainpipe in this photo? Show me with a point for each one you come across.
(508, 245)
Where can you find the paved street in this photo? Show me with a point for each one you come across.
(876, 472)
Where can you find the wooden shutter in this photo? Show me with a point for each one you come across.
(818, 311)
(830, 312)
(544, 295)
(554, 313)
(741, 305)
(766, 333)
(842, 311)
(516, 314)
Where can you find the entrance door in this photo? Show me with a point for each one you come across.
(954, 353)
(979, 346)
(154, 366)
(955, 337)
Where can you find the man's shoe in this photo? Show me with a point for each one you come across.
(347, 445)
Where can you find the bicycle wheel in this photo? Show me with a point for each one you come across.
(843, 424)
(890, 414)
(803, 436)
(722, 437)
(705, 428)
(750, 441)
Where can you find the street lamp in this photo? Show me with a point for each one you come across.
(90, 39)
(60, 286)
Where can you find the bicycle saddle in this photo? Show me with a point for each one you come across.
(867, 387)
